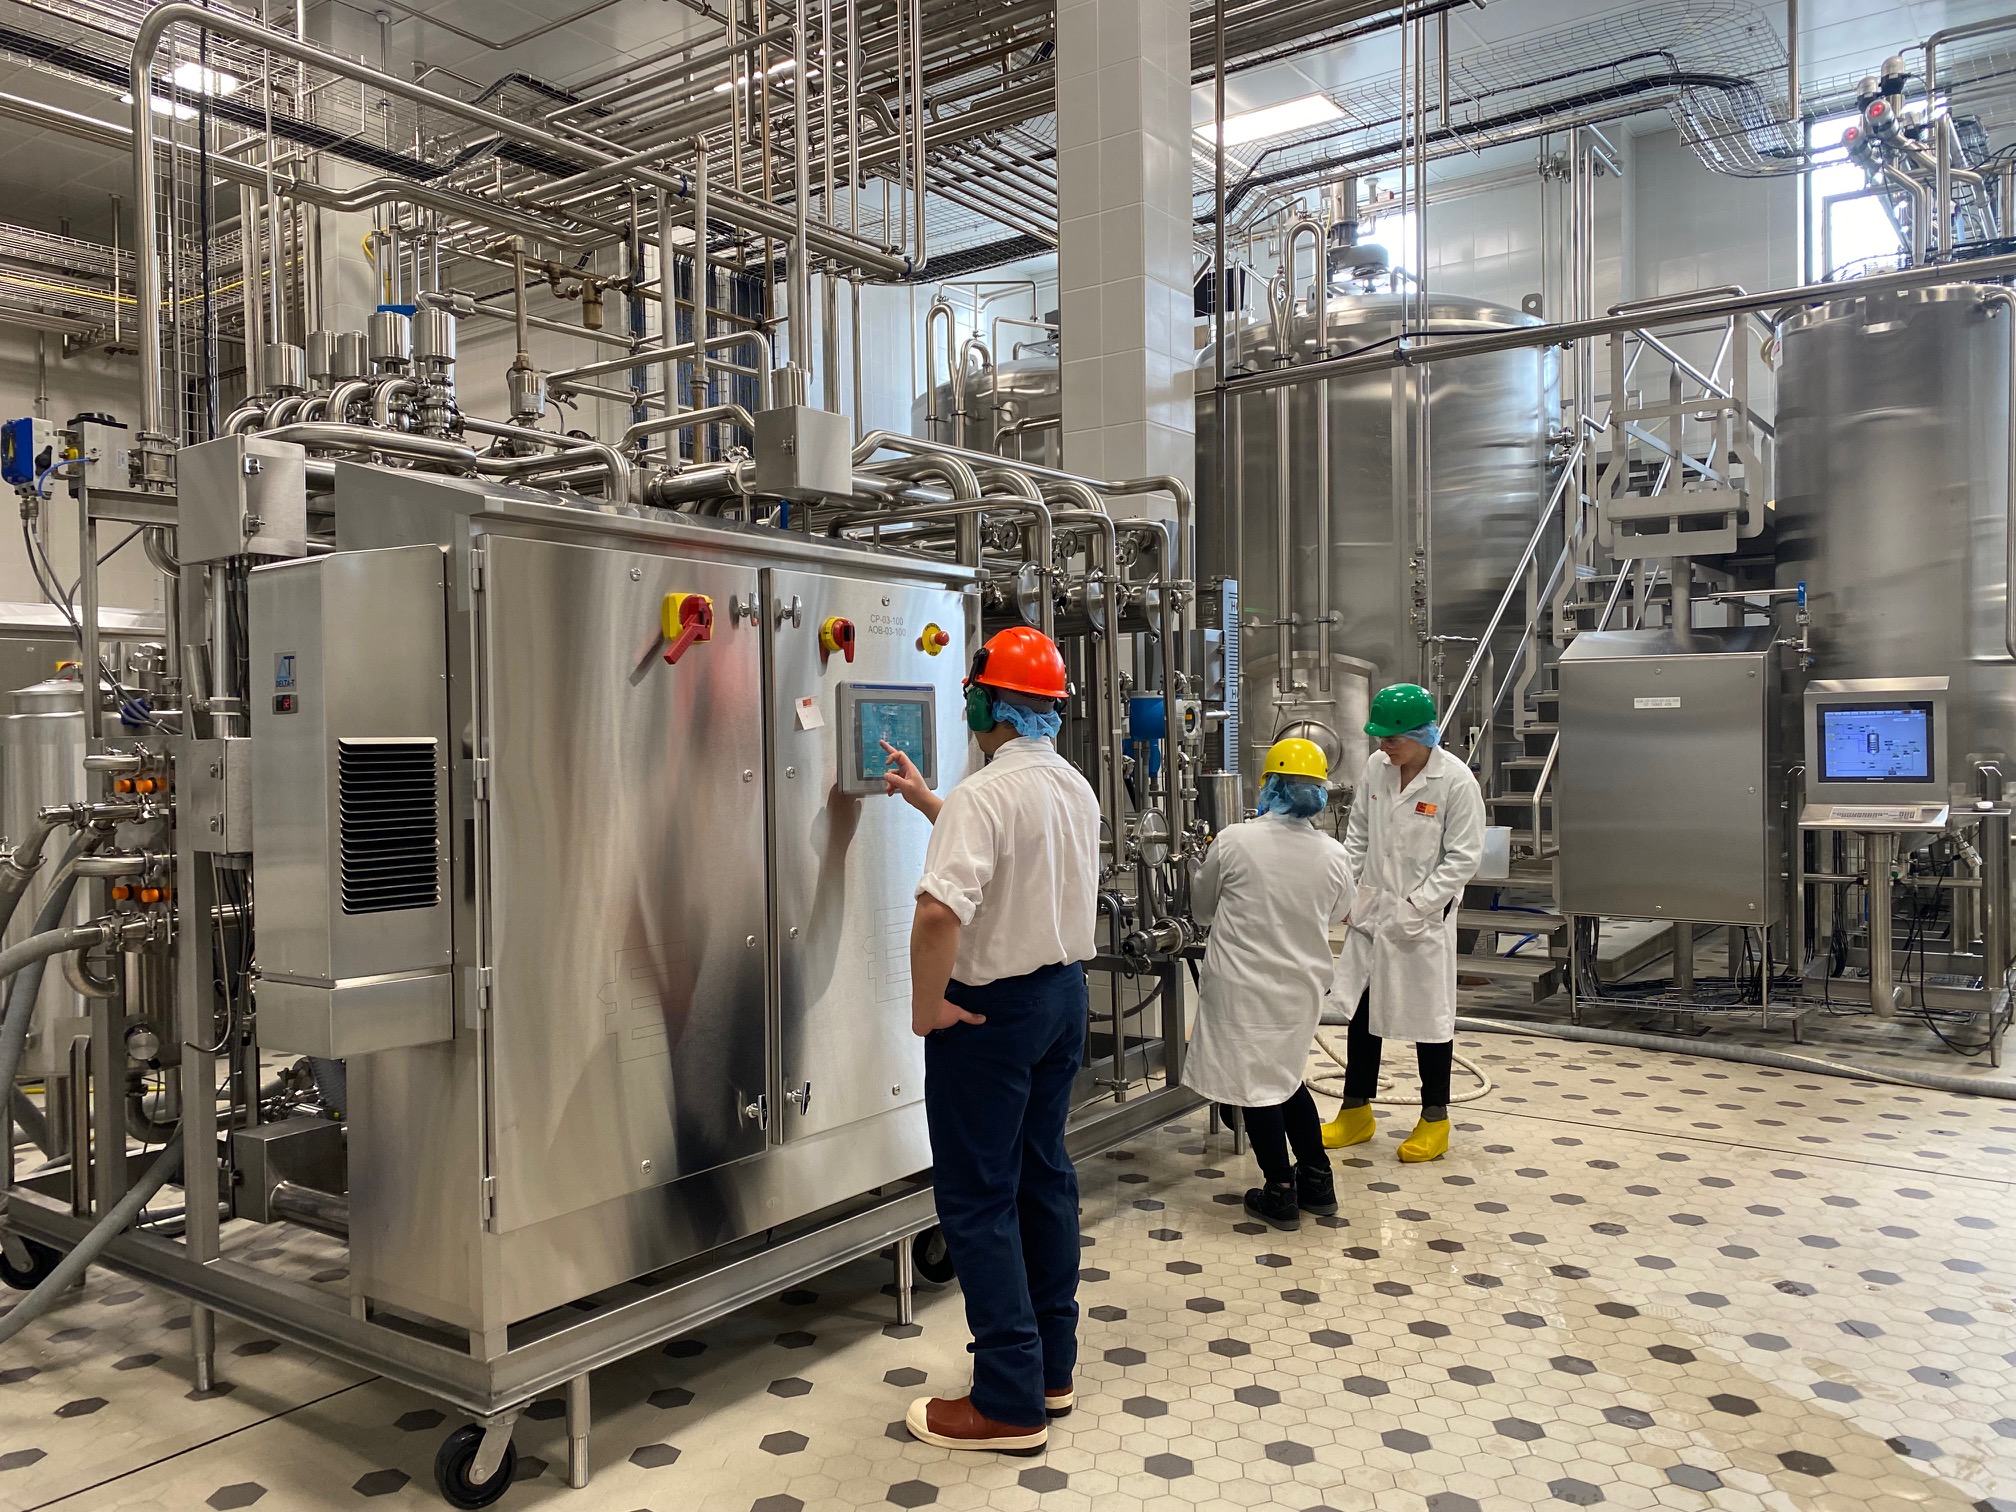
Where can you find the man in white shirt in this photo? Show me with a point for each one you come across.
(1006, 912)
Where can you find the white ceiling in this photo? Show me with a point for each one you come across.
(1837, 38)
(49, 177)
(585, 45)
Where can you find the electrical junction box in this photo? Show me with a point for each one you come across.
(215, 780)
(241, 496)
(104, 452)
(804, 453)
(1668, 796)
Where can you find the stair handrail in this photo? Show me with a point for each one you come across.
(1624, 571)
(1541, 607)
(1514, 581)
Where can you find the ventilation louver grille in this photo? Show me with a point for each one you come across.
(389, 801)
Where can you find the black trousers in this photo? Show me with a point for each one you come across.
(1361, 1077)
(1272, 1130)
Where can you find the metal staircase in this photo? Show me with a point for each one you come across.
(1691, 469)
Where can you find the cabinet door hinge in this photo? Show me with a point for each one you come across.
(489, 1198)
(477, 558)
(479, 771)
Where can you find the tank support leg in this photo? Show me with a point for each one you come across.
(578, 1419)
(906, 1283)
(203, 1340)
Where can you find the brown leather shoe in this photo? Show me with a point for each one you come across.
(1058, 1403)
(956, 1425)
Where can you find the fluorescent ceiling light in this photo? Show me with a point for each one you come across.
(194, 78)
(771, 72)
(165, 107)
(1276, 120)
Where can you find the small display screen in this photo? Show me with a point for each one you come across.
(901, 722)
(1876, 742)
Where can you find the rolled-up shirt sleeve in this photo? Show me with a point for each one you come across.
(960, 858)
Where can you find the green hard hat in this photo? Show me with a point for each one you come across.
(1399, 709)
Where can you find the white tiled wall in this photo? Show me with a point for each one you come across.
(1124, 144)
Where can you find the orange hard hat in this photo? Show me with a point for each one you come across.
(1021, 660)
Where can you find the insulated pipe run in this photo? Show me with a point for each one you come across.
(703, 300)
(801, 187)
(1564, 333)
(571, 450)
(362, 438)
(645, 429)
(146, 46)
(962, 511)
(1113, 716)
(565, 378)
(941, 308)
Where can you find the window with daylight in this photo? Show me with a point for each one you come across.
(1844, 236)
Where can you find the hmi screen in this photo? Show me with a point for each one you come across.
(1876, 743)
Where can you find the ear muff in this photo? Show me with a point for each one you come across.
(979, 709)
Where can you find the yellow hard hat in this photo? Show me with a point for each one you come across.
(1297, 758)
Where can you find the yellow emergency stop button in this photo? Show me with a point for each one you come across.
(934, 639)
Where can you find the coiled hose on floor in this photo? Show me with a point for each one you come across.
(1331, 1084)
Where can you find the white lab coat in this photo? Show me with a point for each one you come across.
(1412, 851)
(1271, 889)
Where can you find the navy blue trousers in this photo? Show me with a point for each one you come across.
(997, 1095)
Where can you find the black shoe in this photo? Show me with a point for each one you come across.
(1277, 1206)
(1315, 1191)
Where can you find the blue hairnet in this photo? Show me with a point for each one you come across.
(1430, 735)
(1297, 797)
(1031, 724)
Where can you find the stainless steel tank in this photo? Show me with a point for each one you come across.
(1386, 580)
(1013, 409)
(42, 761)
(1893, 497)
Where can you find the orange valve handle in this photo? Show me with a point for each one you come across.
(685, 619)
(837, 635)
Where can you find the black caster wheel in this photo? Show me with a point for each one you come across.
(928, 1253)
(41, 1261)
(451, 1470)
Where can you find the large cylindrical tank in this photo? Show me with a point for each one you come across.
(1893, 497)
(1012, 409)
(42, 761)
(1359, 554)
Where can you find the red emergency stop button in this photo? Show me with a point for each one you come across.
(685, 619)
(836, 637)
(933, 640)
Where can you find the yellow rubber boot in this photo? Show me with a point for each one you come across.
(1351, 1126)
(1429, 1141)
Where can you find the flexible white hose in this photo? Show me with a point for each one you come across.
(1332, 1084)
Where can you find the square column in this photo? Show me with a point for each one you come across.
(1124, 269)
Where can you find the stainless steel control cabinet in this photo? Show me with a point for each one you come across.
(680, 969)
(1669, 795)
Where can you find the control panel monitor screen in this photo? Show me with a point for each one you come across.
(904, 716)
(1876, 743)
(897, 721)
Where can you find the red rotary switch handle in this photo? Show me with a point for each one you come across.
(837, 635)
(686, 619)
